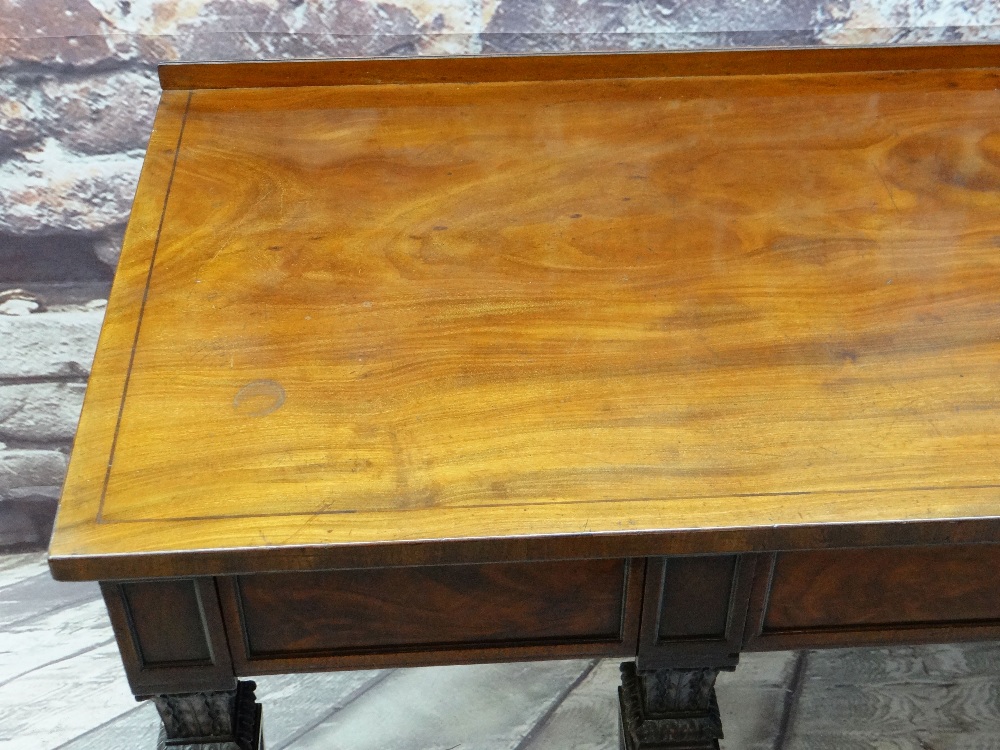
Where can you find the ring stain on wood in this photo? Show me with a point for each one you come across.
(259, 398)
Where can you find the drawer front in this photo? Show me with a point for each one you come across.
(846, 597)
(434, 615)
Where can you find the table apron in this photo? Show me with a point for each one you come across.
(179, 635)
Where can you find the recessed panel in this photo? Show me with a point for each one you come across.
(696, 597)
(168, 622)
(444, 607)
(865, 589)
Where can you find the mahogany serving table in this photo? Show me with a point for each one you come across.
(659, 356)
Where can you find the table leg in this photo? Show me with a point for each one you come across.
(219, 720)
(672, 709)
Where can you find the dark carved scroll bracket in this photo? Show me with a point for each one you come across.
(222, 720)
(672, 709)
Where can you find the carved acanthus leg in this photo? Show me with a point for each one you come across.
(674, 709)
(223, 720)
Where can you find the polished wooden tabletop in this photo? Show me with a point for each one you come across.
(364, 323)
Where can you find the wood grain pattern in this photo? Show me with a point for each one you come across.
(492, 68)
(185, 640)
(694, 611)
(438, 615)
(171, 635)
(848, 597)
(79, 505)
(436, 322)
(389, 609)
(844, 588)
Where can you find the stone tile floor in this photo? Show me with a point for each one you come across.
(62, 686)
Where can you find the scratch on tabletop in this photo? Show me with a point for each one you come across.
(887, 189)
(322, 509)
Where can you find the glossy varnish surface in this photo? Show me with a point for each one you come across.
(352, 317)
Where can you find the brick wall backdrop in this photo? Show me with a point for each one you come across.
(77, 95)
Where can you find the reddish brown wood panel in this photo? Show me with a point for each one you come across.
(170, 635)
(433, 614)
(168, 625)
(481, 68)
(845, 597)
(694, 610)
(695, 597)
